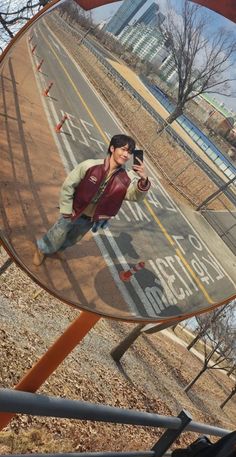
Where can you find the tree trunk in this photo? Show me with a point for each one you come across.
(231, 371)
(195, 340)
(171, 118)
(228, 398)
(176, 113)
(119, 350)
(188, 387)
(174, 326)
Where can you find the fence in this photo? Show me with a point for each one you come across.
(13, 401)
(224, 221)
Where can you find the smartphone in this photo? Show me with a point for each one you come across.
(138, 153)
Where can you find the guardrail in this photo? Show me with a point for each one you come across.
(13, 401)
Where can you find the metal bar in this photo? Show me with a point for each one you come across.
(41, 405)
(53, 357)
(14, 401)
(207, 429)
(89, 454)
(6, 265)
(215, 194)
(169, 436)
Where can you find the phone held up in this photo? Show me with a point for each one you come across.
(137, 154)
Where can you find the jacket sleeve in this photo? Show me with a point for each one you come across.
(136, 191)
(69, 185)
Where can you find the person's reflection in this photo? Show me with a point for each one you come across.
(92, 192)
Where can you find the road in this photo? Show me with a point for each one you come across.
(181, 274)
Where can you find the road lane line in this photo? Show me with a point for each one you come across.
(113, 270)
(164, 231)
(194, 276)
(179, 254)
(78, 93)
(120, 257)
(54, 135)
(168, 237)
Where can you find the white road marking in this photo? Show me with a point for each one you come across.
(113, 270)
(52, 127)
(173, 205)
(139, 291)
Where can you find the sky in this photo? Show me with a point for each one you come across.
(215, 22)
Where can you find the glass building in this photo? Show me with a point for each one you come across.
(149, 45)
(123, 16)
(151, 16)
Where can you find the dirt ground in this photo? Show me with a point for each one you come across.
(154, 372)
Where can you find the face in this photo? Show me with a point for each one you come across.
(120, 155)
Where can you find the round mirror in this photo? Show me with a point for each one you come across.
(77, 87)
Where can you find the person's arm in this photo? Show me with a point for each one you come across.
(138, 188)
(69, 185)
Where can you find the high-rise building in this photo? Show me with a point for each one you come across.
(123, 16)
(145, 43)
(151, 16)
(150, 45)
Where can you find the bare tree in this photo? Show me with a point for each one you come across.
(203, 59)
(232, 369)
(13, 17)
(204, 323)
(221, 352)
(210, 320)
(232, 393)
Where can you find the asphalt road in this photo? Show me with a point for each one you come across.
(181, 274)
(176, 131)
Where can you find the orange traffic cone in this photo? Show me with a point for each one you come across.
(39, 65)
(59, 126)
(45, 92)
(33, 49)
(126, 275)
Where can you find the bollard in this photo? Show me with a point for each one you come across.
(59, 126)
(39, 65)
(33, 49)
(45, 92)
(126, 275)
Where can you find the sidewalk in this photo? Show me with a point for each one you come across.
(213, 241)
(32, 174)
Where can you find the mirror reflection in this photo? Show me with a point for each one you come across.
(112, 198)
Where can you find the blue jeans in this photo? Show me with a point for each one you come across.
(63, 234)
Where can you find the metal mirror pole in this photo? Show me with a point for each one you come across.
(6, 264)
(54, 356)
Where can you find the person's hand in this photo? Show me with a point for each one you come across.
(140, 170)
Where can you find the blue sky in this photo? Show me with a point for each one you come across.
(215, 22)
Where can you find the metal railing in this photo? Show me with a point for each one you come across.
(13, 401)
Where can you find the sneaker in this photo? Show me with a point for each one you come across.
(38, 257)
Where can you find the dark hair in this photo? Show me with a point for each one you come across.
(118, 141)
